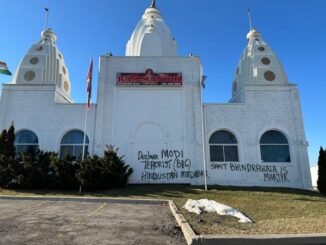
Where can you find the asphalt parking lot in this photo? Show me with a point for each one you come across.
(67, 222)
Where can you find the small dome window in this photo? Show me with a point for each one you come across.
(235, 86)
(265, 61)
(29, 75)
(60, 56)
(34, 60)
(269, 76)
(261, 48)
(237, 71)
(66, 86)
(64, 70)
(39, 48)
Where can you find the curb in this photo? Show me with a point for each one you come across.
(189, 234)
(279, 239)
(86, 199)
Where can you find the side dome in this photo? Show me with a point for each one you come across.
(151, 37)
(44, 64)
(258, 65)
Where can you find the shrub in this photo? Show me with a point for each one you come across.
(43, 170)
(10, 147)
(7, 140)
(62, 173)
(31, 170)
(321, 182)
(92, 175)
(3, 140)
(4, 171)
(104, 173)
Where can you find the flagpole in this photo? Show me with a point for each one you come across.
(89, 91)
(85, 127)
(203, 131)
(84, 142)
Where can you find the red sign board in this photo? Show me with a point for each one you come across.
(149, 78)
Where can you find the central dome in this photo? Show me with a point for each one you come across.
(151, 37)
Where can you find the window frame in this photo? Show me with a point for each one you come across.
(275, 144)
(16, 145)
(74, 145)
(223, 145)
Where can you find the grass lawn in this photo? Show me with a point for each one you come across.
(273, 210)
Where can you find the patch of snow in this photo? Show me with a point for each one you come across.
(204, 205)
(314, 175)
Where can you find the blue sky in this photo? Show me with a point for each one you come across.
(213, 29)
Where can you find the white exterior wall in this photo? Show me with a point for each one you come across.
(152, 119)
(33, 107)
(149, 119)
(264, 108)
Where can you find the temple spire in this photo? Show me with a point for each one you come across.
(250, 21)
(46, 18)
(153, 4)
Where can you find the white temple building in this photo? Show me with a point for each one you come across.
(150, 106)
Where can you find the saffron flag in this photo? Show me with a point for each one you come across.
(89, 83)
(4, 68)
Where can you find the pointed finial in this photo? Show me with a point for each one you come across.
(249, 17)
(46, 18)
(153, 4)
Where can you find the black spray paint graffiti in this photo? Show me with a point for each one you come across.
(171, 161)
(168, 159)
(271, 173)
(172, 175)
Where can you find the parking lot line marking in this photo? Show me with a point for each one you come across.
(96, 210)
(28, 211)
(91, 213)
(39, 204)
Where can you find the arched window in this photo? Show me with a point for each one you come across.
(26, 141)
(274, 147)
(223, 147)
(72, 144)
